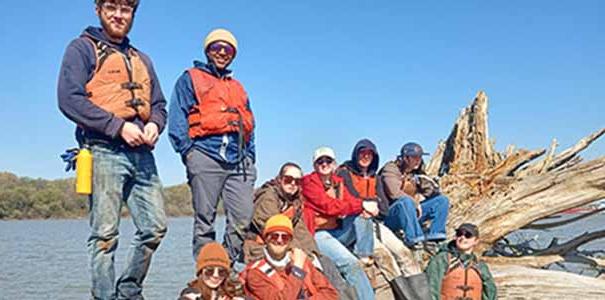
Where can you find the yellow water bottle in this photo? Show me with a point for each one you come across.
(84, 172)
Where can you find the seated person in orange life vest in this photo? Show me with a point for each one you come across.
(282, 195)
(212, 281)
(456, 273)
(284, 273)
(393, 258)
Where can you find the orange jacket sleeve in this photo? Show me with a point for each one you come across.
(325, 290)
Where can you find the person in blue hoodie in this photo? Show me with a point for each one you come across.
(109, 89)
(212, 128)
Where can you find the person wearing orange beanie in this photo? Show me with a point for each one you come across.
(284, 273)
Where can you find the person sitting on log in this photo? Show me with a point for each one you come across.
(456, 273)
(284, 273)
(338, 220)
(282, 195)
(213, 280)
(392, 257)
(415, 198)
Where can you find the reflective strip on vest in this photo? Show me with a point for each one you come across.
(276, 279)
(222, 106)
(121, 83)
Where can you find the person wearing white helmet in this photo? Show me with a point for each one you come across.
(211, 126)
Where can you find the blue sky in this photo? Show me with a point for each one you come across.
(331, 72)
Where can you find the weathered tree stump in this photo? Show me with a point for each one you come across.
(503, 192)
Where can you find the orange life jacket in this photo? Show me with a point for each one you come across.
(365, 186)
(462, 283)
(121, 83)
(222, 106)
(278, 278)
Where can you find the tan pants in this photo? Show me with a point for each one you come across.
(392, 256)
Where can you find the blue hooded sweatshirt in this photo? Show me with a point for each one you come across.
(221, 147)
(78, 67)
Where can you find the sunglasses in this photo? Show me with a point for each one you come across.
(218, 46)
(466, 234)
(290, 179)
(365, 152)
(211, 271)
(323, 160)
(278, 238)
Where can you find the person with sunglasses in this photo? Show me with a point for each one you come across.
(285, 272)
(393, 258)
(110, 90)
(338, 221)
(213, 280)
(212, 127)
(455, 272)
(282, 195)
(415, 198)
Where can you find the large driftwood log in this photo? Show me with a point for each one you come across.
(503, 192)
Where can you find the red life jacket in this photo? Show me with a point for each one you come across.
(222, 106)
(462, 283)
(277, 278)
(121, 83)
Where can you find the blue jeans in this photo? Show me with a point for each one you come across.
(402, 216)
(346, 262)
(358, 232)
(122, 175)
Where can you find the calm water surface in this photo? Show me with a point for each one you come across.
(48, 259)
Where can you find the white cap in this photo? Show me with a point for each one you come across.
(324, 151)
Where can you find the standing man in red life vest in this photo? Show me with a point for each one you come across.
(456, 273)
(212, 128)
(285, 273)
(110, 90)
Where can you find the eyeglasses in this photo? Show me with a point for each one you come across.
(279, 238)
(218, 46)
(324, 160)
(464, 233)
(290, 179)
(112, 8)
(211, 271)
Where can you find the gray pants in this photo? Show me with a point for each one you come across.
(210, 181)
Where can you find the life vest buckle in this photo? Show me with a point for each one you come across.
(135, 103)
(132, 86)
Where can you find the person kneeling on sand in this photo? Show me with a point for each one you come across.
(284, 273)
(213, 281)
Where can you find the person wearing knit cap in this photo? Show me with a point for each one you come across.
(455, 272)
(212, 280)
(284, 273)
(211, 126)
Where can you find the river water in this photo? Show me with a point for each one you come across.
(47, 259)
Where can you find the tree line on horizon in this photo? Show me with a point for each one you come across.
(28, 198)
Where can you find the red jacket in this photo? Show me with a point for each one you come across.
(319, 203)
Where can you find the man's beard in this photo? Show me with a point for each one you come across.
(117, 35)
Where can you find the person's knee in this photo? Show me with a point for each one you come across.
(443, 203)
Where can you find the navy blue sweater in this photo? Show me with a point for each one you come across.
(79, 63)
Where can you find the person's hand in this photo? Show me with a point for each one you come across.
(298, 257)
(132, 134)
(370, 208)
(151, 133)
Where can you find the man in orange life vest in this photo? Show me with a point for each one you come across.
(211, 127)
(456, 273)
(284, 273)
(110, 90)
